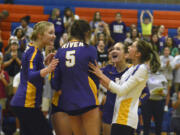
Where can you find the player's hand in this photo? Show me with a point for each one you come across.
(95, 69)
(49, 58)
(53, 64)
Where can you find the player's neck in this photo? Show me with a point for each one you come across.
(38, 44)
(75, 40)
(120, 67)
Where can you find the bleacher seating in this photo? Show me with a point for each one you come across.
(16, 13)
(108, 15)
(165, 14)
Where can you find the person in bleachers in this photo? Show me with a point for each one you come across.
(167, 70)
(58, 24)
(173, 49)
(69, 18)
(4, 14)
(64, 39)
(16, 82)
(146, 24)
(118, 29)
(176, 39)
(162, 38)
(25, 26)
(4, 81)
(19, 33)
(154, 106)
(175, 122)
(102, 54)
(12, 62)
(102, 35)
(176, 65)
(155, 42)
(96, 20)
(134, 35)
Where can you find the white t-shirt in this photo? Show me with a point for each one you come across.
(16, 80)
(128, 90)
(177, 71)
(167, 70)
(157, 83)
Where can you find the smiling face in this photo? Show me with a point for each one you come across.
(48, 37)
(133, 53)
(118, 54)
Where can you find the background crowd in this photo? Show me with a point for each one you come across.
(103, 37)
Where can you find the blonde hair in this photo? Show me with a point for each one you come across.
(53, 15)
(40, 28)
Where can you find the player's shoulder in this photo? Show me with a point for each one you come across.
(31, 51)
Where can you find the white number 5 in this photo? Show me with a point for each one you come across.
(70, 58)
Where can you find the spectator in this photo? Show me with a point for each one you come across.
(176, 39)
(4, 80)
(162, 38)
(173, 49)
(64, 39)
(146, 24)
(155, 43)
(16, 82)
(134, 35)
(176, 64)
(118, 29)
(69, 18)
(12, 62)
(155, 104)
(25, 26)
(102, 53)
(7, 49)
(128, 39)
(58, 24)
(105, 36)
(4, 14)
(167, 70)
(19, 33)
(96, 20)
(47, 91)
(175, 122)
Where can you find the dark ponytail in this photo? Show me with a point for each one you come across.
(154, 62)
(148, 55)
(79, 29)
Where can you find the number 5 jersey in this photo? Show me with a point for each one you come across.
(78, 86)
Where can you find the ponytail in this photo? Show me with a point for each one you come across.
(148, 55)
(154, 62)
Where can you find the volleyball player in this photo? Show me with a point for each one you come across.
(129, 87)
(60, 118)
(79, 87)
(26, 102)
(119, 54)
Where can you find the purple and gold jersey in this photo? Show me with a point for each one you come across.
(71, 76)
(29, 92)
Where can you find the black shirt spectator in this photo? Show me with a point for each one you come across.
(12, 60)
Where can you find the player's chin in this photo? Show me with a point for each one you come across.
(51, 43)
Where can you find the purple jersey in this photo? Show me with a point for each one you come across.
(71, 76)
(29, 92)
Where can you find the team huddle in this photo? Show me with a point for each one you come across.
(76, 78)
